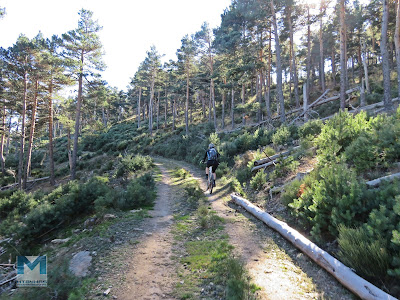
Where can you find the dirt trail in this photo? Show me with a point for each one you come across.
(151, 274)
(275, 265)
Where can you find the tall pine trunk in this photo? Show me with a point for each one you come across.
(342, 56)
(3, 135)
(77, 120)
(138, 107)
(187, 105)
(31, 135)
(268, 75)
(278, 66)
(364, 61)
(243, 102)
(233, 109)
(397, 45)
(22, 139)
(308, 52)
(385, 57)
(223, 109)
(293, 62)
(321, 48)
(51, 149)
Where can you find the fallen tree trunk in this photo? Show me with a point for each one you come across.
(378, 181)
(29, 181)
(342, 273)
(273, 157)
(266, 165)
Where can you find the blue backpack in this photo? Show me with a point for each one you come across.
(212, 154)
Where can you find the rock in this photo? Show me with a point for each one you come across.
(106, 292)
(77, 231)
(60, 241)
(135, 210)
(80, 263)
(107, 217)
(90, 222)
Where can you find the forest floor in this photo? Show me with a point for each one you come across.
(148, 266)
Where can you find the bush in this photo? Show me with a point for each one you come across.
(19, 203)
(140, 193)
(311, 128)
(132, 164)
(292, 191)
(338, 134)
(368, 256)
(258, 181)
(281, 136)
(336, 197)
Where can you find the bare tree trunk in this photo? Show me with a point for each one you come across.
(308, 52)
(387, 99)
(138, 107)
(77, 120)
(31, 135)
(203, 103)
(22, 140)
(259, 96)
(151, 104)
(187, 105)
(223, 109)
(293, 62)
(233, 109)
(364, 61)
(213, 104)
(158, 110)
(278, 65)
(268, 74)
(51, 152)
(333, 64)
(342, 56)
(321, 47)
(173, 114)
(397, 44)
(242, 96)
(3, 133)
(166, 108)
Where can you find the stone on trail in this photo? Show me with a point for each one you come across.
(80, 263)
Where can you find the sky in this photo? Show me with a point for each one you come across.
(130, 27)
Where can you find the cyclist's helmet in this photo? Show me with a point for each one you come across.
(211, 146)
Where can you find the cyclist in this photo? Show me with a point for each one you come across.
(212, 156)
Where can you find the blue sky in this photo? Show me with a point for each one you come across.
(130, 27)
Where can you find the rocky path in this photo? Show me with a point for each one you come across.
(275, 265)
(151, 274)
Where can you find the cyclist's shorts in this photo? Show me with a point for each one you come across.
(212, 163)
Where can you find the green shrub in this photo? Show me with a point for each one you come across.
(19, 203)
(338, 134)
(368, 256)
(292, 191)
(336, 197)
(258, 181)
(284, 167)
(281, 136)
(311, 128)
(140, 193)
(132, 164)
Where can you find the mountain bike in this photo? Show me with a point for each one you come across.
(210, 180)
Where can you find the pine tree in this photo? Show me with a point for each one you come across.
(84, 49)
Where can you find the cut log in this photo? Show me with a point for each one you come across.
(273, 157)
(353, 282)
(266, 164)
(378, 181)
(29, 181)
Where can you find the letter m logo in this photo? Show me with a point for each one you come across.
(31, 262)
